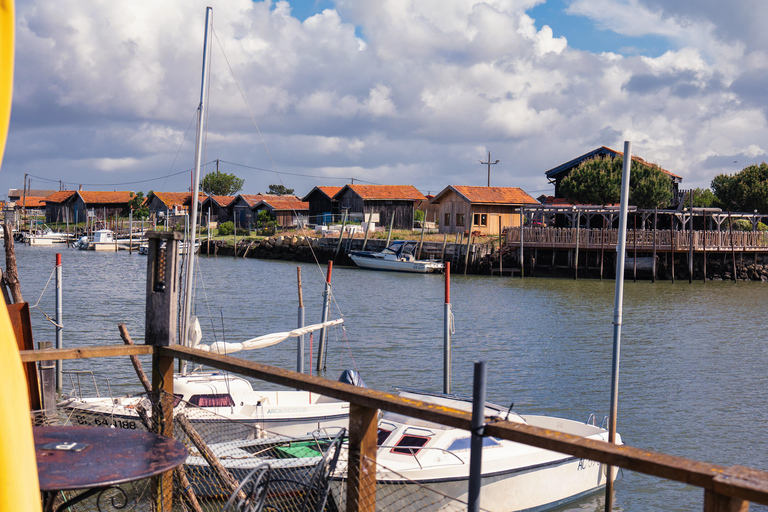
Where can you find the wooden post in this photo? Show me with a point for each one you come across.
(445, 241)
(361, 472)
(672, 242)
(576, 255)
(602, 249)
(634, 237)
(501, 244)
(469, 239)
(714, 502)
(160, 331)
(421, 240)
(367, 226)
(341, 234)
(733, 251)
(655, 219)
(391, 223)
(704, 245)
(522, 263)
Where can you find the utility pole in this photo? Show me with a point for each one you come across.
(489, 164)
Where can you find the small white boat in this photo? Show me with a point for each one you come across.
(415, 454)
(224, 405)
(398, 257)
(102, 240)
(45, 236)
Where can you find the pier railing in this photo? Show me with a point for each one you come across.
(643, 239)
(725, 488)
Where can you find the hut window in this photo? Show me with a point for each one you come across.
(410, 445)
(459, 219)
(214, 400)
(447, 219)
(481, 219)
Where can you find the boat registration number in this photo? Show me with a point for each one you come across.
(106, 422)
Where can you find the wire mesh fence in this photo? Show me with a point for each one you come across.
(239, 461)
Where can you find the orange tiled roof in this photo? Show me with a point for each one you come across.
(173, 198)
(285, 203)
(30, 202)
(59, 197)
(93, 197)
(222, 200)
(392, 192)
(491, 195)
(253, 199)
(330, 191)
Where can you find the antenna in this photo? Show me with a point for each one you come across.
(489, 164)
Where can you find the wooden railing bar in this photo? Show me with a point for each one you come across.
(737, 482)
(85, 352)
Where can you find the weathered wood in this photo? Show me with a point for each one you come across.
(135, 359)
(22, 330)
(28, 356)
(714, 502)
(361, 472)
(162, 414)
(644, 461)
(162, 289)
(11, 274)
(225, 476)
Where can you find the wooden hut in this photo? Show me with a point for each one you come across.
(103, 205)
(478, 209)
(287, 210)
(322, 205)
(59, 207)
(383, 202)
(557, 174)
(215, 209)
(240, 210)
(168, 203)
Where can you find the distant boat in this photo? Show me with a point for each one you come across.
(398, 257)
(103, 240)
(45, 236)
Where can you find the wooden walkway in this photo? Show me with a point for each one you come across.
(642, 240)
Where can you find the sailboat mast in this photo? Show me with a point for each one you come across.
(190, 248)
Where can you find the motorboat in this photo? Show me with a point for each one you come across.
(45, 236)
(414, 455)
(399, 256)
(222, 405)
(102, 240)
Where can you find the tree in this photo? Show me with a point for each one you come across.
(598, 181)
(280, 190)
(702, 198)
(745, 191)
(221, 184)
(137, 206)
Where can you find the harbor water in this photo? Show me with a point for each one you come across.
(692, 382)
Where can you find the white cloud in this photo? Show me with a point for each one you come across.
(392, 91)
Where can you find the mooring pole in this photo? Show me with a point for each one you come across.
(447, 325)
(617, 314)
(522, 264)
(59, 319)
(341, 236)
(389, 233)
(324, 330)
(300, 339)
(476, 441)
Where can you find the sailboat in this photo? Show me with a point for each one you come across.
(220, 397)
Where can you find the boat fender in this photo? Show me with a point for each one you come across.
(352, 377)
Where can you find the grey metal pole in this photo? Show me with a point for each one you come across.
(324, 330)
(300, 341)
(59, 320)
(617, 313)
(476, 442)
(447, 317)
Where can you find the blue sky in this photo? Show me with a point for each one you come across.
(391, 91)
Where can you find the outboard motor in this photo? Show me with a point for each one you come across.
(352, 377)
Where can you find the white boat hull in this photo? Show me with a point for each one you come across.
(416, 266)
(532, 488)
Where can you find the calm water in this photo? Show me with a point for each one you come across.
(692, 383)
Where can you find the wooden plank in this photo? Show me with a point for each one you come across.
(22, 329)
(361, 473)
(714, 502)
(28, 356)
(666, 466)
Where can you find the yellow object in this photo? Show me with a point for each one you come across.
(19, 488)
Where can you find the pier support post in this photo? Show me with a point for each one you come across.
(300, 339)
(326, 311)
(160, 331)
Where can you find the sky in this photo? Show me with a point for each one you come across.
(418, 92)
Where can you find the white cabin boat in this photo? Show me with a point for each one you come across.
(515, 477)
(102, 240)
(398, 257)
(223, 402)
(45, 236)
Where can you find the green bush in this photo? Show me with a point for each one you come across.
(418, 216)
(226, 228)
(746, 225)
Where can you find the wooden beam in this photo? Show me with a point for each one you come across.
(361, 472)
(28, 356)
